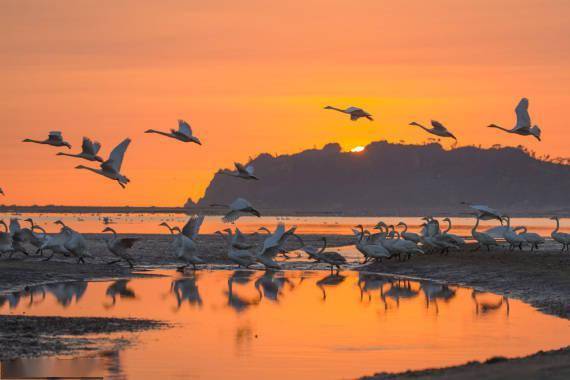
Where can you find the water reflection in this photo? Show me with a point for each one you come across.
(186, 290)
(271, 324)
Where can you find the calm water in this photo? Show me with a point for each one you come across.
(306, 325)
(149, 223)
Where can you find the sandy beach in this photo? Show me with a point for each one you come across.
(541, 279)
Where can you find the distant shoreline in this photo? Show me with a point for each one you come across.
(52, 209)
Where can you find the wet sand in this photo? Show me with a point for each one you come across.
(541, 279)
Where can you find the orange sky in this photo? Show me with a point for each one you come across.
(253, 76)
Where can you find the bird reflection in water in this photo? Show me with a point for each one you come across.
(434, 292)
(112, 363)
(272, 286)
(186, 289)
(486, 303)
(119, 288)
(65, 292)
(235, 301)
(368, 282)
(401, 289)
(331, 280)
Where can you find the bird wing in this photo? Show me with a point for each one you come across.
(250, 169)
(87, 146)
(438, 126)
(486, 209)
(274, 239)
(96, 147)
(353, 109)
(239, 238)
(116, 157)
(523, 118)
(240, 168)
(231, 216)
(192, 227)
(127, 242)
(184, 128)
(55, 136)
(240, 204)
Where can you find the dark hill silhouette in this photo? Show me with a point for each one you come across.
(399, 179)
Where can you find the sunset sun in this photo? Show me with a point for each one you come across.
(357, 149)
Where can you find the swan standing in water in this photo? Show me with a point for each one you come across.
(238, 208)
(411, 236)
(185, 247)
(560, 237)
(55, 138)
(523, 127)
(437, 129)
(482, 238)
(238, 250)
(334, 259)
(112, 167)
(243, 172)
(120, 247)
(531, 238)
(89, 150)
(370, 250)
(354, 112)
(456, 239)
(184, 133)
(510, 235)
(5, 239)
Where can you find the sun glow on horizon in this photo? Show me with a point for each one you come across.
(357, 149)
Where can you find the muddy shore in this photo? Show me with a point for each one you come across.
(541, 279)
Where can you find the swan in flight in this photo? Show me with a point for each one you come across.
(120, 247)
(244, 172)
(560, 237)
(485, 212)
(54, 139)
(184, 133)
(273, 245)
(354, 112)
(238, 208)
(186, 242)
(89, 150)
(438, 129)
(112, 167)
(523, 126)
(241, 256)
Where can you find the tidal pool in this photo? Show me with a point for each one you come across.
(305, 325)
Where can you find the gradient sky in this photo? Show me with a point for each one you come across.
(253, 76)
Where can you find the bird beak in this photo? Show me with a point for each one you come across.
(256, 213)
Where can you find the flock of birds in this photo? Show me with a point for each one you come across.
(388, 242)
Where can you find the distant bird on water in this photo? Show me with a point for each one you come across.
(437, 129)
(89, 150)
(354, 112)
(54, 139)
(184, 133)
(238, 208)
(112, 167)
(523, 126)
(244, 172)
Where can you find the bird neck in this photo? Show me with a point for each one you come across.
(35, 141)
(499, 127)
(557, 226)
(475, 226)
(68, 154)
(448, 226)
(336, 109)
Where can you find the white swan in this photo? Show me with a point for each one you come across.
(411, 236)
(238, 208)
(369, 249)
(334, 259)
(523, 127)
(184, 133)
(510, 235)
(354, 112)
(120, 247)
(186, 245)
(437, 129)
(243, 172)
(112, 167)
(482, 238)
(54, 243)
(5, 239)
(75, 243)
(273, 245)
(560, 237)
(531, 238)
(55, 138)
(241, 256)
(485, 212)
(456, 239)
(89, 150)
